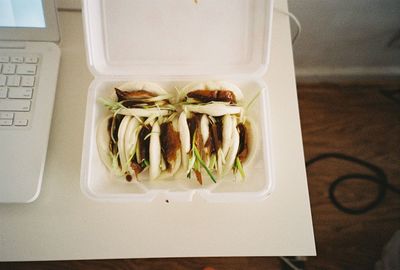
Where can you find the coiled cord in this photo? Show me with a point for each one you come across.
(377, 176)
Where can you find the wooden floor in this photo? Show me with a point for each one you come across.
(359, 121)
(353, 119)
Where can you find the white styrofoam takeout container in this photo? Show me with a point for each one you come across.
(174, 42)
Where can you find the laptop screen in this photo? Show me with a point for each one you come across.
(28, 20)
(22, 13)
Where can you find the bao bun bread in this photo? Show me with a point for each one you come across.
(148, 86)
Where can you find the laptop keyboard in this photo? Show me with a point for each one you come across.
(18, 75)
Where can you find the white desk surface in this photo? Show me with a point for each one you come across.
(63, 224)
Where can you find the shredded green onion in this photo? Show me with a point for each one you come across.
(111, 104)
(213, 161)
(137, 152)
(211, 119)
(196, 165)
(132, 152)
(239, 167)
(115, 167)
(149, 120)
(191, 164)
(171, 117)
(203, 164)
(144, 163)
(163, 166)
(148, 135)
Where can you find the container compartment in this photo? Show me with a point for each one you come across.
(98, 183)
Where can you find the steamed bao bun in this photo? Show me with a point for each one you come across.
(118, 159)
(214, 108)
(144, 93)
(230, 147)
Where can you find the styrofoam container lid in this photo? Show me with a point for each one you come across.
(177, 37)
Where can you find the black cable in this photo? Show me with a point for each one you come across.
(379, 177)
(393, 95)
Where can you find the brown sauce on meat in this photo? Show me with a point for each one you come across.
(144, 144)
(194, 124)
(140, 103)
(109, 124)
(213, 141)
(170, 143)
(136, 167)
(199, 177)
(117, 122)
(109, 127)
(112, 128)
(213, 95)
(243, 142)
(218, 122)
(134, 103)
(227, 96)
(131, 95)
(113, 123)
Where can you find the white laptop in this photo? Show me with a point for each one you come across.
(29, 60)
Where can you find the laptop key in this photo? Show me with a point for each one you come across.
(31, 59)
(4, 59)
(15, 105)
(28, 81)
(13, 80)
(21, 122)
(26, 69)
(3, 92)
(17, 59)
(8, 69)
(20, 92)
(6, 122)
(3, 79)
(6, 115)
